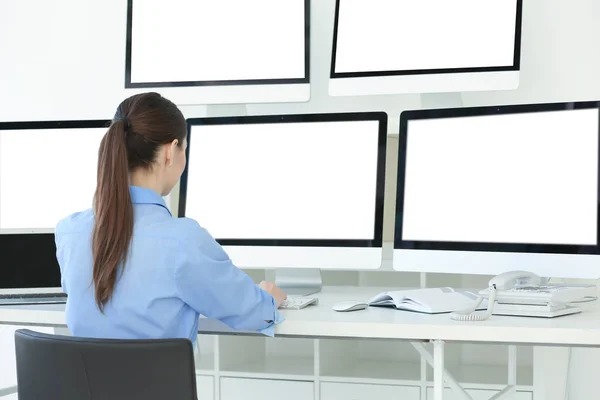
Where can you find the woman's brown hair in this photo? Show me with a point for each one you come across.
(141, 125)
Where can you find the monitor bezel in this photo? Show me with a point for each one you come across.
(380, 117)
(432, 71)
(406, 116)
(59, 124)
(243, 82)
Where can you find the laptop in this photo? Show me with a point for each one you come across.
(30, 273)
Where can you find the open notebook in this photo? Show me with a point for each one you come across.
(429, 301)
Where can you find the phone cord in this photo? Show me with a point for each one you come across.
(471, 314)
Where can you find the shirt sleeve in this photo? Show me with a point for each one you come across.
(59, 238)
(209, 282)
(60, 260)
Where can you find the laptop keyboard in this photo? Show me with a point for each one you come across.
(33, 296)
(16, 299)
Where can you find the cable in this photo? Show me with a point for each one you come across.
(472, 314)
(586, 299)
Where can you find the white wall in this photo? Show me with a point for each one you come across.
(64, 59)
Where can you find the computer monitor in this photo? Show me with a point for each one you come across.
(391, 46)
(289, 191)
(219, 52)
(47, 171)
(487, 190)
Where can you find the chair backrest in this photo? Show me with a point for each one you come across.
(54, 367)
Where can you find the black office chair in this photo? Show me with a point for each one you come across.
(53, 367)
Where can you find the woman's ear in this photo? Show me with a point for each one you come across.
(170, 156)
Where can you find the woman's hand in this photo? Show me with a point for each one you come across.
(274, 291)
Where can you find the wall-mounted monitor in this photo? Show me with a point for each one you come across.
(392, 46)
(219, 52)
(492, 189)
(289, 191)
(47, 171)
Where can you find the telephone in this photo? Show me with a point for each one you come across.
(522, 293)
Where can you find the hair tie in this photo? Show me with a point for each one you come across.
(127, 123)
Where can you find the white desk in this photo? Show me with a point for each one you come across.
(321, 321)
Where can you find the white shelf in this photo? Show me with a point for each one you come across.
(369, 362)
(373, 372)
(486, 376)
(272, 358)
(272, 367)
(205, 364)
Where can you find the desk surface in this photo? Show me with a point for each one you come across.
(321, 321)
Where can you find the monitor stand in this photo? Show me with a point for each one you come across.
(441, 100)
(226, 110)
(299, 281)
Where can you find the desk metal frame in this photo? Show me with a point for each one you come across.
(7, 391)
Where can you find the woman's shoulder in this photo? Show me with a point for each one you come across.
(193, 234)
(190, 229)
(76, 222)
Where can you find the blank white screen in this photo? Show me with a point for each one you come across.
(284, 181)
(395, 35)
(207, 40)
(520, 178)
(46, 175)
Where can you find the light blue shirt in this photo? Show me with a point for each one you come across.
(175, 271)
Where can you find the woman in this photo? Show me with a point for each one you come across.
(129, 268)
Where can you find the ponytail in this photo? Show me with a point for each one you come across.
(142, 123)
(113, 226)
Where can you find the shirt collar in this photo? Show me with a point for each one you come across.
(141, 195)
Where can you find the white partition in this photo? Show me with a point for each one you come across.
(259, 389)
(354, 391)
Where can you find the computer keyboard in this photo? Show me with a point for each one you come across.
(297, 303)
(32, 298)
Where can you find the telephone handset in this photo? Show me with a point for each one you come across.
(512, 279)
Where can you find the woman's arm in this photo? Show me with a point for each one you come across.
(208, 282)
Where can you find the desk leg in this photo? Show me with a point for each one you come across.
(438, 370)
(550, 372)
(512, 366)
(583, 373)
(426, 356)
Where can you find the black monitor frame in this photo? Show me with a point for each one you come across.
(407, 116)
(284, 81)
(381, 117)
(516, 66)
(29, 259)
